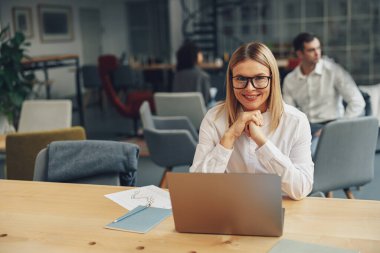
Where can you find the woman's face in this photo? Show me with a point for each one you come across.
(251, 98)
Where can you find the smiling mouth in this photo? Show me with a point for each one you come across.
(251, 97)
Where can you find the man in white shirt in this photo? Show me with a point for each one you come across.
(318, 86)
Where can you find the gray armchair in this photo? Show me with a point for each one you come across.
(189, 104)
(171, 140)
(88, 162)
(345, 155)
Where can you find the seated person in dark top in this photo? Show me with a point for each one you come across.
(188, 76)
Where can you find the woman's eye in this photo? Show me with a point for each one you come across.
(241, 79)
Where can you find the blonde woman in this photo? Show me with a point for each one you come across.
(254, 131)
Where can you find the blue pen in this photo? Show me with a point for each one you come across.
(130, 214)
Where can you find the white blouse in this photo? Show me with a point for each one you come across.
(286, 152)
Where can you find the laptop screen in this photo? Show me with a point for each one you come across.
(219, 203)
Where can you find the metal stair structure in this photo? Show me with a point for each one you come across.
(201, 25)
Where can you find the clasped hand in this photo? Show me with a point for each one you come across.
(248, 122)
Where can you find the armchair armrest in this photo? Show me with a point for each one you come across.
(170, 147)
(175, 123)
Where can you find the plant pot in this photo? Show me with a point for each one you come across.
(5, 126)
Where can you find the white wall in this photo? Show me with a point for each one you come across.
(113, 41)
(115, 31)
(175, 23)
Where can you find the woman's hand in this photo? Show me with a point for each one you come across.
(256, 134)
(241, 125)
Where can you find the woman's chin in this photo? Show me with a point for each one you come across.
(253, 107)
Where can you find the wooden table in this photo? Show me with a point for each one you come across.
(56, 217)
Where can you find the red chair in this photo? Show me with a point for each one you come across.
(107, 64)
(134, 99)
(293, 63)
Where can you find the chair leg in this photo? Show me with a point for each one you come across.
(329, 194)
(135, 127)
(164, 182)
(86, 99)
(103, 99)
(349, 193)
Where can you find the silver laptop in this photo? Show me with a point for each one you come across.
(219, 203)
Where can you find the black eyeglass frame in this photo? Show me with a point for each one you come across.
(251, 79)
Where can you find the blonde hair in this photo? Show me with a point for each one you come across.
(260, 53)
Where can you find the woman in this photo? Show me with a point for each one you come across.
(189, 77)
(253, 131)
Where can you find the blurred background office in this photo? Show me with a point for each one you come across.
(144, 36)
(148, 31)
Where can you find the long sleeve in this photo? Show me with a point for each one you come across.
(210, 156)
(295, 169)
(350, 93)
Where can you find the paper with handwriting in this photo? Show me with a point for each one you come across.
(142, 196)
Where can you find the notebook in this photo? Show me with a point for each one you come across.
(140, 220)
(220, 203)
(290, 246)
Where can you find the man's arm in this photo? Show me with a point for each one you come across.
(347, 87)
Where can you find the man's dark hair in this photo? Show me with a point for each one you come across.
(187, 55)
(302, 38)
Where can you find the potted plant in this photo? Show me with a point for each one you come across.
(15, 85)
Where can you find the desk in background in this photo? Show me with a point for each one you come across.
(56, 61)
(57, 217)
(2, 143)
(161, 74)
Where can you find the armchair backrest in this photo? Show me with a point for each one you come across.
(91, 76)
(189, 104)
(88, 161)
(171, 145)
(345, 154)
(22, 149)
(146, 116)
(42, 115)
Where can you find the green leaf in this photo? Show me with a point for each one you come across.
(15, 85)
(4, 33)
(16, 99)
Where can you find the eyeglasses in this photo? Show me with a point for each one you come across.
(259, 82)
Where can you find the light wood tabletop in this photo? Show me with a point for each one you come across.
(57, 217)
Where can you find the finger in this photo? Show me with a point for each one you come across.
(261, 118)
(257, 117)
(256, 120)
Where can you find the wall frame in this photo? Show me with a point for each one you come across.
(22, 20)
(55, 23)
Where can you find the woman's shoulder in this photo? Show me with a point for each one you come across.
(216, 114)
(217, 109)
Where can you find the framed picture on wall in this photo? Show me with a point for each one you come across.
(22, 20)
(55, 23)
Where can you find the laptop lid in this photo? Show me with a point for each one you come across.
(220, 203)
